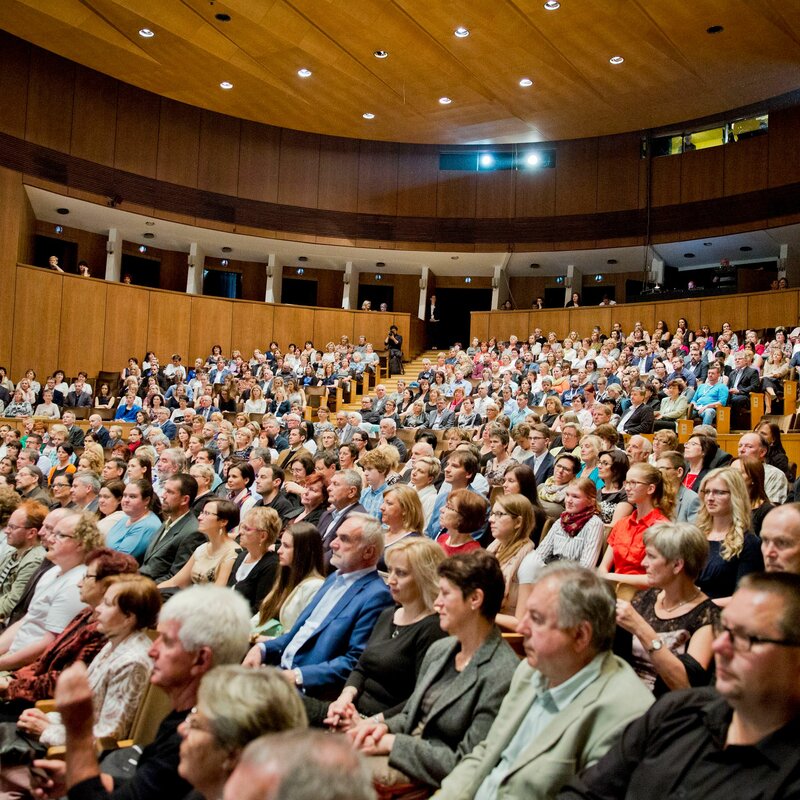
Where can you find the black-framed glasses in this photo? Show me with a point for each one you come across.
(743, 642)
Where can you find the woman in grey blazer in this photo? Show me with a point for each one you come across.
(462, 681)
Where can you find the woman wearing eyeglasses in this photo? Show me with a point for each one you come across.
(724, 518)
(511, 522)
(463, 513)
(654, 501)
(253, 573)
(672, 621)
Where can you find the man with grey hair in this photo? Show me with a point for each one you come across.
(638, 450)
(297, 765)
(388, 435)
(198, 629)
(85, 490)
(29, 483)
(170, 462)
(569, 700)
(322, 648)
(343, 492)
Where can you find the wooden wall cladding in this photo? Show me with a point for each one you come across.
(77, 323)
(757, 310)
(112, 139)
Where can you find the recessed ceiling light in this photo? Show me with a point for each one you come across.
(526, 82)
(707, 244)
(368, 115)
(149, 223)
(302, 258)
(226, 85)
(445, 101)
(486, 160)
(534, 265)
(223, 17)
(454, 258)
(745, 249)
(62, 211)
(149, 235)
(688, 255)
(146, 33)
(552, 5)
(304, 73)
(533, 159)
(612, 261)
(226, 249)
(461, 33)
(381, 54)
(616, 60)
(380, 264)
(715, 29)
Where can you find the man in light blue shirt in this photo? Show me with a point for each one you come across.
(709, 396)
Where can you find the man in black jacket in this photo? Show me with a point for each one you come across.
(741, 383)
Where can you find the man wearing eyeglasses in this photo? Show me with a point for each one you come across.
(736, 740)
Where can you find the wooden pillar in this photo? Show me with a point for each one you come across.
(756, 408)
(16, 236)
(789, 397)
(723, 419)
(685, 428)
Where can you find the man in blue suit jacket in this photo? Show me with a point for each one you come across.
(322, 648)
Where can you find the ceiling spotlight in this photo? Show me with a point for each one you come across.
(612, 261)
(148, 235)
(708, 244)
(380, 264)
(552, 5)
(486, 160)
(59, 229)
(149, 223)
(304, 73)
(226, 249)
(461, 33)
(224, 262)
(302, 258)
(533, 160)
(381, 54)
(378, 276)
(368, 115)
(745, 249)
(688, 255)
(534, 265)
(454, 258)
(223, 17)
(62, 211)
(526, 82)
(226, 85)
(468, 279)
(142, 248)
(445, 101)
(146, 33)
(715, 29)
(300, 271)
(616, 60)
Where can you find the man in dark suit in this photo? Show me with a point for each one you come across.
(541, 462)
(343, 492)
(742, 381)
(441, 417)
(98, 430)
(204, 408)
(75, 435)
(85, 490)
(174, 542)
(297, 440)
(325, 643)
(638, 418)
(641, 360)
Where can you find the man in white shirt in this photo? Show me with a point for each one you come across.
(776, 485)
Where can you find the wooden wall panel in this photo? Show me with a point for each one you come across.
(298, 175)
(50, 95)
(556, 319)
(168, 325)
(136, 139)
(784, 154)
(94, 118)
(338, 174)
(15, 225)
(330, 325)
(178, 143)
(495, 194)
(14, 72)
(507, 323)
(211, 323)
(127, 316)
(576, 177)
(768, 309)
(456, 194)
(746, 165)
(252, 326)
(479, 325)
(618, 172)
(701, 174)
(715, 311)
(259, 160)
(535, 194)
(218, 163)
(377, 178)
(417, 180)
(37, 321)
(666, 180)
(582, 320)
(374, 325)
(83, 325)
(292, 324)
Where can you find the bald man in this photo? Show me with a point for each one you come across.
(780, 539)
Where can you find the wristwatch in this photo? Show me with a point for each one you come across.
(655, 645)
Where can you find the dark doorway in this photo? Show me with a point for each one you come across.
(453, 308)
(554, 298)
(299, 293)
(46, 246)
(376, 295)
(221, 283)
(143, 271)
(593, 295)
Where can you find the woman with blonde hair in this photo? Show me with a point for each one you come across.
(92, 459)
(424, 473)
(401, 514)
(387, 670)
(253, 573)
(724, 518)
(591, 447)
(654, 501)
(511, 521)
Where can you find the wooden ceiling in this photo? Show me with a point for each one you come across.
(674, 70)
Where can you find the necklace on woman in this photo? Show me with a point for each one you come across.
(682, 603)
